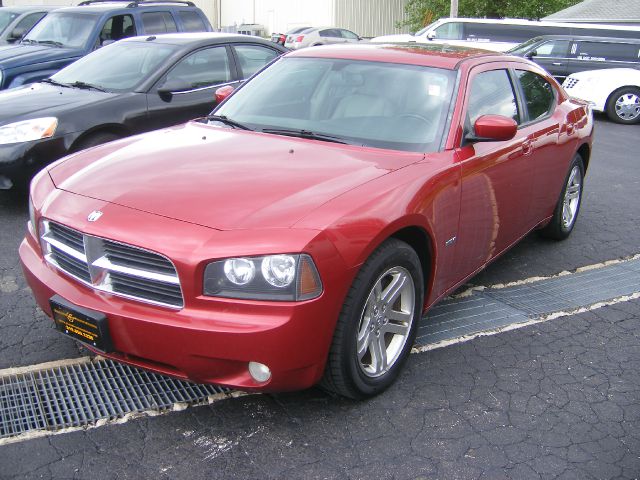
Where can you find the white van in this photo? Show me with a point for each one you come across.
(501, 35)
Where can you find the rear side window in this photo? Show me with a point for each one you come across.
(330, 33)
(603, 51)
(192, 21)
(492, 94)
(253, 57)
(539, 95)
(158, 22)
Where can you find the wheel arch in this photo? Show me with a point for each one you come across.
(114, 129)
(585, 153)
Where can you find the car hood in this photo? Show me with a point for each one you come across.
(223, 178)
(21, 54)
(42, 100)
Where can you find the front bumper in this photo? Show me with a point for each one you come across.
(20, 161)
(209, 340)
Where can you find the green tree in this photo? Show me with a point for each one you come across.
(419, 13)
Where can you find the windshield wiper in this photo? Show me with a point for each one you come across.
(28, 41)
(227, 121)
(305, 134)
(53, 82)
(86, 86)
(48, 42)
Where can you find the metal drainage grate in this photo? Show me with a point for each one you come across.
(499, 307)
(82, 394)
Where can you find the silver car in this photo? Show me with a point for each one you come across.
(320, 36)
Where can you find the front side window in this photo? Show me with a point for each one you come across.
(158, 22)
(253, 57)
(130, 64)
(63, 29)
(449, 31)
(203, 68)
(555, 49)
(349, 34)
(380, 105)
(116, 28)
(492, 94)
(25, 24)
(538, 93)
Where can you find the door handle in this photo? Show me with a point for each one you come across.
(527, 147)
(557, 64)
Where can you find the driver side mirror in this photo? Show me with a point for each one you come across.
(493, 128)
(16, 34)
(223, 93)
(431, 35)
(531, 54)
(176, 85)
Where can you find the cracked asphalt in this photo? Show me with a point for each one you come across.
(559, 399)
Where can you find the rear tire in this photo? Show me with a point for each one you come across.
(378, 323)
(568, 206)
(623, 105)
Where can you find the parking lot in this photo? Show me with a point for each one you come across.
(556, 398)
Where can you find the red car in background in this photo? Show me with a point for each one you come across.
(297, 235)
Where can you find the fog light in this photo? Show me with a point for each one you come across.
(259, 372)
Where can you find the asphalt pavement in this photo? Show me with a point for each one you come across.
(558, 399)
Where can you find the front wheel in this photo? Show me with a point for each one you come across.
(377, 326)
(568, 206)
(623, 105)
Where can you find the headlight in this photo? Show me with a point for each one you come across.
(272, 277)
(28, 130)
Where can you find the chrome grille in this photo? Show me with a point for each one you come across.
(570, 83)
(111, 266)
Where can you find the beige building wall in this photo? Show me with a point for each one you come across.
(368, 18)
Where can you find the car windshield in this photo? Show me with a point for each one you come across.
(118, 67)
(382, 105)
(63, 29)
(523, 47)
(5, 19)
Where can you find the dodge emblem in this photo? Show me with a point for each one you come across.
(94, 216)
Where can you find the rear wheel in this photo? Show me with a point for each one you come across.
(378, 322)
(623, 106)
(566, 212)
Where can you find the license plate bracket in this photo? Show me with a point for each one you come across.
(81, 324)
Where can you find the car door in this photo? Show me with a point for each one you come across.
(187, 91)
(349, 36)
(331, 35)
(552, 144)
(553, 56)
(495, 176)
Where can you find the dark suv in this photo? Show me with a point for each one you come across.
(562, 55)
(68, 34)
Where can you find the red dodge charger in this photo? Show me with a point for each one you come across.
(297, 235)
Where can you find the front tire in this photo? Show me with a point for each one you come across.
(378, 322)
(623, 106)
(568, 206)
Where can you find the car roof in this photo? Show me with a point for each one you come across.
(108, 5)
(588, 37)
(189, 38)
(438, 55)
